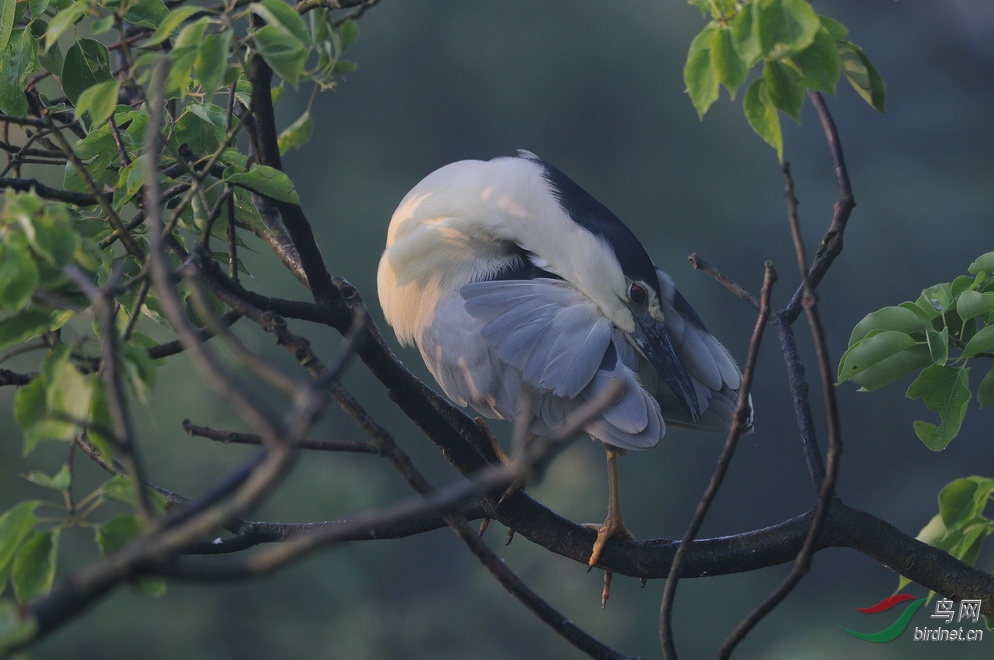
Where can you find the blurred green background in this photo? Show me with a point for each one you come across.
(595, 88)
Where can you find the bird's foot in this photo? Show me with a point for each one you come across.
(613, 526)
(516, 485)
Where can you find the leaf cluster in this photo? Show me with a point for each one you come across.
(940, 335)
(79, 90)
(797, 51)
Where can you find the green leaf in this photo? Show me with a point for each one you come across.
(100, 101)
(171, 23)
(282, 51)
(944, 390)
(783, 90)
(963, 500)
(939, 297)
(835, 29)
(745, 35)
(147, 13)
(99, 423)
(68, 390)
(211, 63)
(26, 325)
(900, 319)
(29, 404)
(18, 276)
(282, 16)
(16, 524)
(264, 180)
(862, 75)
(985, 393)
(982, 342)
(348, 34)
(819, 63)
(726, 61)
(34, 567)
(116, 533)
(7, 8)
(19, 60)
(87, 63)
(786, 27)
(882, 357)
(762, 116)
(16, 626)
(982, 264)
(971, 304)
(938, 345)
(52, 236)
(60, 481)
(699, 74)
(64, 19)
(296, 134)
(139, 371)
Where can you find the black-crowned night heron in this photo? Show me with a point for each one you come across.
(525, 295)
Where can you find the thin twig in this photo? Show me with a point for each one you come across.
(236, 437)
(803, 562)
(698, 263)
(739, 422)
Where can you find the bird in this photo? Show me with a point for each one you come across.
(526, 296)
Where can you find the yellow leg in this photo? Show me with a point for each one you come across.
(612, 526)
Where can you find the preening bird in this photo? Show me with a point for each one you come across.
(525, 295)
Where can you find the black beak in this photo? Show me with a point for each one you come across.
(652, 339)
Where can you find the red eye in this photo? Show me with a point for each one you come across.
(638, 294)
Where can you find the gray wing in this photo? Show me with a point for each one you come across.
(713, 371)
(568, 353)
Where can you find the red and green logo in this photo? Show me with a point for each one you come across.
(891, 632)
